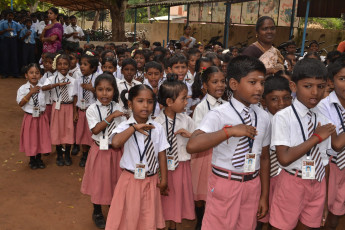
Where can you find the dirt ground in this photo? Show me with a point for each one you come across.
(47, 199)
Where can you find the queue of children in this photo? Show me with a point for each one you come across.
(177, 134)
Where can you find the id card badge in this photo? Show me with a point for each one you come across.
(57, 105)
(103, 143)
(11, 33)
(250, 162)
(82, 104)
(171, 163)
(139, 172)
(36, 112)
(308, 169)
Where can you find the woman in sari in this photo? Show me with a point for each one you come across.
(52, 34)
(263, 48)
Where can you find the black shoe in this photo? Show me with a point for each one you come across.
(83, 159)
(33, 164)
(75, 150)
(99, 220)
(39, 162)
(59, 160)
(68, 160)
(46, 154)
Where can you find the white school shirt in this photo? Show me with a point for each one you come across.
(75, 72)
(72, 29)
(157, 108)
(124, 85)
(92, 116)
(191, 77)
(29, 106)
(47, 93)
(57, 77)
(224, 115)
(119, 74)
(78, 90)
(130, 155)
(182, 122)
(203, 107)
(286, 131)
(327, 108)
(35, 25)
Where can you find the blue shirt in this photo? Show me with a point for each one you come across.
(31, 38)
(5, 25)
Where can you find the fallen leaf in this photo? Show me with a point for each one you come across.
(19, 162)
(12, 154)
(80, 179)
(13, 170)
(5, 161)
(70, 206)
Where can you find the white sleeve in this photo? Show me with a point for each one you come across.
(280, 131)
(48, 81)
(267, 138)
(81, 33)
(163, 143)
(75, 88)
(198, 114)
(211, 122)
(20, 94)
(92, 117)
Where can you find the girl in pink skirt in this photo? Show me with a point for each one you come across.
(35, 136)
(213, 81)
(102, 169)
(61, 125)
(83, 98)
(179, 204)
(136, 204)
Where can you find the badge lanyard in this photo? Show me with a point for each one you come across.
(167, 128)
(57, 94)
(84, 90)
(300, 125)
(100, 115)
(208, 105)
(145, 149)
(340, 117)
(251, 141)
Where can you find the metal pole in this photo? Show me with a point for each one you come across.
(11, 4)
(292, 19)
(135, 24)
(305, 28)
(168, 25)
(188, 6)
(227, 24)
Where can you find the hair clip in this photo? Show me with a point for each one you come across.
(202, 70)
(54, 62)
(89, 53)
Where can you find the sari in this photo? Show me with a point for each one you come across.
(53, 47)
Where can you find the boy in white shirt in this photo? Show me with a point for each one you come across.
(238, 193)
(73, 33)
(300, 135)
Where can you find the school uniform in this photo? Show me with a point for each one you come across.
(74, 42)
(10, 48)
(61, 126)
(102, 169)
(233, 196)
(125, 85)
(201, 163)
(48, 95)
(189, 84)
(34, 135)
(296, 199)
(329, 107)
(29, 44)
(137, 203)
(84, 99)
(75, 72)
(140, 76)
(190, 77)
(274, 175)
(119, 74)
(156, 108)
(179, 204)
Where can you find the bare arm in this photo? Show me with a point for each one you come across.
(265, 181)
(102, 125)
(163, 184)
(338, 141)
(120, 138)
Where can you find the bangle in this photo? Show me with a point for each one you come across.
(106, 121)
(25, 99)
(226, 132)
(133, 127)
(318, 136)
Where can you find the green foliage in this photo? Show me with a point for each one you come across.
(328, 23)
(155, 11)
(17, 4)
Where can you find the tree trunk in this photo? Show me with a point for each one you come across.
(95, 21)
(117, 13)
(33, 8)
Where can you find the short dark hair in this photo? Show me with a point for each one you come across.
(199, 61)
(241, 66)
(308, 55)
(72, 17)
(160, 49)
(146, 43)
(261, 21)
(178, 58)
(278, 83)
(129, 61)
(335, 68)
(309, 68)
(170, 88)
(92, 60)
(113, 61)
(157, 44)
(153, 65)
(134, 92)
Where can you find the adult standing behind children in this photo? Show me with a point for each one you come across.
(52, 34)
(73, 33)
(263, 48)
(186, 40)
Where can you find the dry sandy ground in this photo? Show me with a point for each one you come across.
(48, 199)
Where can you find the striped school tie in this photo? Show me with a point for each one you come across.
(315, 152)
(150, 155)
(64, 91)
(274, 163)
(172, 137)
(112, 125)
(87, 93)
(341, 154)
(219, 102)
(35, 99)
(243, 145)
